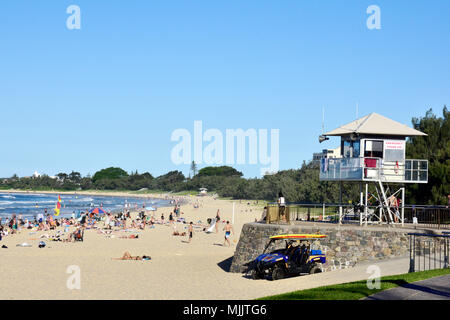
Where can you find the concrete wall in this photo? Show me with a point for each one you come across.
(344, 246)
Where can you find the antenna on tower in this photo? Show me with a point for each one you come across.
(322, 137)
(323, 120)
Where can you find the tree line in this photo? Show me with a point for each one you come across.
(298, 185)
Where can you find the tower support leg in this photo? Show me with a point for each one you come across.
(366, 210)
(403, 206)
(360, 204)
(340, 202)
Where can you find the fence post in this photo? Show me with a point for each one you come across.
(446, 251)
(412, 257)
(403, 206)
(438, 212)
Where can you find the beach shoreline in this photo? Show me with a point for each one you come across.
(164, 196)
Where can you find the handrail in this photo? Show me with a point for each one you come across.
(423, 215)
(429, 235)
(374, 169)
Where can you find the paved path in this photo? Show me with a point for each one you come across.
(437, 288)
(261, 288)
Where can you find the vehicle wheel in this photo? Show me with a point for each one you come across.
(315, 269)
(256, 275)
(278, 273)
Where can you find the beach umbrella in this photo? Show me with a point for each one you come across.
(98, 211)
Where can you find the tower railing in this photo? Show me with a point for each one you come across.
(417, 216)
(374, 169)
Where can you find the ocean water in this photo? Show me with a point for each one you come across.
(30, 204)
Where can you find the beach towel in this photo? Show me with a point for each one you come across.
(211, 226)
(23, 245)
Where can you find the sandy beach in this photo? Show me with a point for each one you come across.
(177, 270)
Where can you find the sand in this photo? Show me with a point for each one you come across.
(177, 270)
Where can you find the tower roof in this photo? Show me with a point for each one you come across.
(375, 124)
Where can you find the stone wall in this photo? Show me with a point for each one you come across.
(344, 246)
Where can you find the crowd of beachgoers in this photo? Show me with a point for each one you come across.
(159, 239)
(68, 229)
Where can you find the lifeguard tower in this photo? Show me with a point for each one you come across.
(373, 151)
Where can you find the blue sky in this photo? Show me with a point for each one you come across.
(111, 93)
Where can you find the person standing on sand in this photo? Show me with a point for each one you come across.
(217, 220)
(228, 229)
(190, 231)
(282, 206)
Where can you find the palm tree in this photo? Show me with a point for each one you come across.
(193, 168)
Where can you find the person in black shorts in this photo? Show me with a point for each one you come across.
(191, 230)
(217, 220)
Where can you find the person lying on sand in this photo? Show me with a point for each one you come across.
(105, 231)
(133, 236)
(128, 256)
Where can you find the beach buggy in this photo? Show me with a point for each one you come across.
(295, 259)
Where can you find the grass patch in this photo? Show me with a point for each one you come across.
(357, 290)
(186, 193)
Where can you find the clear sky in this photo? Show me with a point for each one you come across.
(112, 92)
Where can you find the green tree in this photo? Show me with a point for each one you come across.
(109, 174)
(193, 168)
(435, 147)
(75, 177)
(219, 171)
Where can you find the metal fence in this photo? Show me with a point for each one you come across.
(428, 216)
(425, 216)
(428, 251)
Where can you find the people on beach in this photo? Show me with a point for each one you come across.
(128, 256)
(217, 220)
(76, 235)
(282, 206)
(228, 229)
(190, 231)
(263, 215)
(132, 236)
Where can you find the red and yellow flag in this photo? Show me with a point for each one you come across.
(58, 206)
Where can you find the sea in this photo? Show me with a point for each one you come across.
(30, 204)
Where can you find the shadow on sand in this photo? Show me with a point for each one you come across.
(225, 265)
